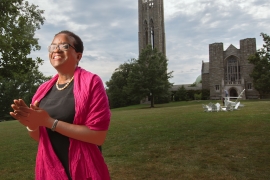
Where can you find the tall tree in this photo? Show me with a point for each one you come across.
(261, 71)
(149, 76)
(19, 75)
(118, 97)
(18, 24)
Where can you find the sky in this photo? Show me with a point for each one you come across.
(109, 31)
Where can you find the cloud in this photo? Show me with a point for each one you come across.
(110, 31)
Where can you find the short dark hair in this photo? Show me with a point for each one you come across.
(78, 44)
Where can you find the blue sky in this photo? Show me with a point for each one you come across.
(109, 31)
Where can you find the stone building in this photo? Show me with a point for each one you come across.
(151, 25)
(229, 70)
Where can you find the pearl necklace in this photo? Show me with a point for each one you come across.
(60, 89)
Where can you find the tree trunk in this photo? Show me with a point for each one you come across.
(152, 101)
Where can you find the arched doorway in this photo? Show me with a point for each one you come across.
(233, 93)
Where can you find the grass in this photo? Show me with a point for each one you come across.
(171, 141)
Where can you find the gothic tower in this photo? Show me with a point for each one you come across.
(151, 25)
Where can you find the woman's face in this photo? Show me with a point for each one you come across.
(64, 58)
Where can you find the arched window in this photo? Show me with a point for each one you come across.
(150, 3)
(152, 33)
(232, 71)
(146, 32)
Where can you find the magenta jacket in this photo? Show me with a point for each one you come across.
(91, 109)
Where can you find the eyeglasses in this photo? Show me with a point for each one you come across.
(62, 47)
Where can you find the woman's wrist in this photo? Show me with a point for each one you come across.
(49, 123)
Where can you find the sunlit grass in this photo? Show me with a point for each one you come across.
(170, 141)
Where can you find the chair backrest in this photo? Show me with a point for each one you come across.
(229, 107)
(214, 107)
(218, 106)
(226, 101)
(237, 105)
(240, 96)
(205, 108)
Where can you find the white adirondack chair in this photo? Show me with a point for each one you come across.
(207, 108)
(229, 107)
(227, 100)
(218, 106)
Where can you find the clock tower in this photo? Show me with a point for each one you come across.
(151, 25)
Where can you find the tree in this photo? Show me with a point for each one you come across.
(19, 75)
(205, 94)
(149, 76)
(19, 86)
(18, 24)
(118, 97)
(261, 71)
(181, 94)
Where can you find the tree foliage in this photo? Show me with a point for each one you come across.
(18, 24)
(181, 94)
(205, 94)
(118, 97)
(149, 76)
(261, 71)
(19, 74)
(19, 86)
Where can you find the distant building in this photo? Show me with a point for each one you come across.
(229, 70)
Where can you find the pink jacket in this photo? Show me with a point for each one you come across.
(92, 109)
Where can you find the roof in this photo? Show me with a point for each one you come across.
(198, 79)
(187, 87)
(205, 67)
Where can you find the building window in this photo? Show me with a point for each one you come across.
(151, 3)
(249, 86)
(217, 87)
(232, 71)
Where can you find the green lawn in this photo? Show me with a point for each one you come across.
(171, 141)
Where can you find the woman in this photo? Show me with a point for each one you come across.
(69, 117)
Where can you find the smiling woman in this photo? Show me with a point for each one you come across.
(69, 116)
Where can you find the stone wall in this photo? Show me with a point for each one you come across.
(216, 69)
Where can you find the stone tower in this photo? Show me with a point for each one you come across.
(151, 25)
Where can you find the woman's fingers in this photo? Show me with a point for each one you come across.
(14, 107)
(34, 107)
(22, 103)
(19, 116)
(21, 113)
(36, 104)
(25, 109)
(18, 103)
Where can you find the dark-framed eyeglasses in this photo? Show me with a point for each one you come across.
(61, 47)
